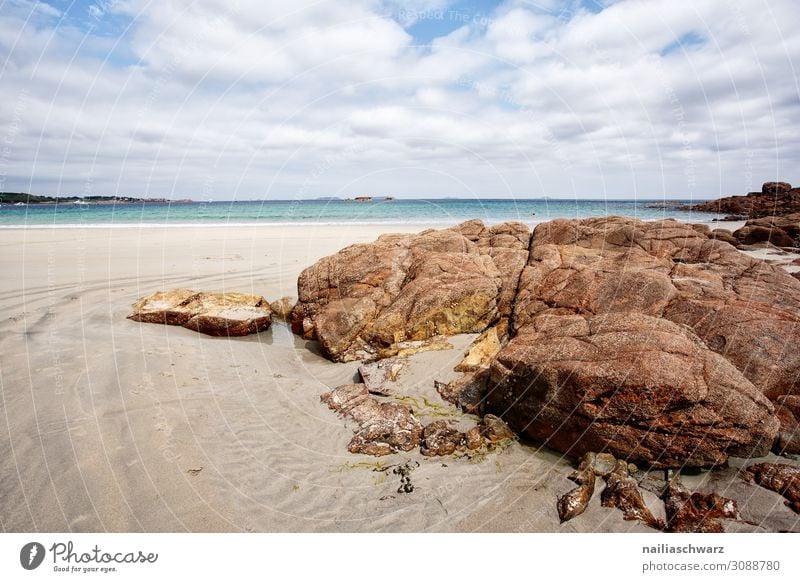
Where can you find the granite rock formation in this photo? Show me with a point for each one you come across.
(597, 294)
(656, 341)
(774, 199)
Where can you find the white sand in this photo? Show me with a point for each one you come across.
(107, 424)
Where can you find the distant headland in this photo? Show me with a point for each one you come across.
(21, 198)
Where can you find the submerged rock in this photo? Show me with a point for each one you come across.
(217, 314)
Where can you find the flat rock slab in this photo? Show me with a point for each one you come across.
(217, 314)
(379, 377)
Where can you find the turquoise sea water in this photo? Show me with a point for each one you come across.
(442, 211)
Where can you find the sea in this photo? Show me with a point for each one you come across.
(331, 212)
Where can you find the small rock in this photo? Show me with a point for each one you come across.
(623, 493)
(696, 512)
(346, 397)
(473, 438)
(384, 428)
(441, 439)
(779, 477)
(603, 464)
(282, 308)
(484, 348)
(390, 429)
(494, 429)
(468, 391)
(574, 502)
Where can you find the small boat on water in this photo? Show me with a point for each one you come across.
(20, 204)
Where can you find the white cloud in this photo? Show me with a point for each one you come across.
(255, 96)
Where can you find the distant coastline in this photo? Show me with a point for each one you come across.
(22, 198)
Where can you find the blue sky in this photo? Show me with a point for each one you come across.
(269, 99)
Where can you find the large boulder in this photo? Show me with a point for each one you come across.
(367, 297)
(643, 388)
(581, 277)
(217, 314)
(743, 308)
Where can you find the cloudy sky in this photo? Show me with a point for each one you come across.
(271, 99)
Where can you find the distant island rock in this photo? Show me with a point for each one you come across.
(370, 199)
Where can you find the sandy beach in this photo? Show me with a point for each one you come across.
(112, 425)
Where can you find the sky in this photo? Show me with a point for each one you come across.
(269, 99)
